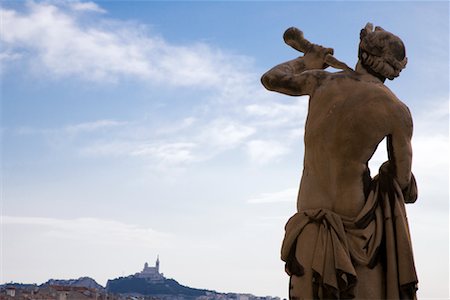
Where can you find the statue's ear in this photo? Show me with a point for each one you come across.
(378, 28)
(366, 30)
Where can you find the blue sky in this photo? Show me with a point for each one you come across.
(137, 128)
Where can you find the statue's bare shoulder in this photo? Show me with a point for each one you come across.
(399, 114)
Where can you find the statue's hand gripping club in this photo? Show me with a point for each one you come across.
(294, 38)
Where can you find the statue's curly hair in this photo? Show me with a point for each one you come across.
(381, 52)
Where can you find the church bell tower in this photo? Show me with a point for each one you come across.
(157, 264)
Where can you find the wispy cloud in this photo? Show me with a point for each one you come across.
(8, 55)
(92, 126)
(92, 230)
(86, 6)
(171, 147)
(78, 128)
(225, 134)
(109, 148)
(170, 153)
(264, 151)
(287, 195)
(55, 39)
(431, 140)
(183, 124)
(279, 113)
(433, 120)
(60, 45)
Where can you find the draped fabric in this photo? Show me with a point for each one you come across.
(379, 234)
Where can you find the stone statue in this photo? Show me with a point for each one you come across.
(350, 237)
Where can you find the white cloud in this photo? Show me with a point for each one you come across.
(265, 151)
(56, 40)
(225, 134)
(93, 126)
(8, 55)
(79, 128)
(170, 153)
(431, 169)
(432, 120)
(431, 148)
(287, 195)
(431, 151)
(183, 124)
(276, 109)
(60, 45)
(163, 154)
(90, 230)
(109, 148)
(86, 6)
(280, 113)
(173, 149)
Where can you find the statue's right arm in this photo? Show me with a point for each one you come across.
(289, 78)
(299, 76)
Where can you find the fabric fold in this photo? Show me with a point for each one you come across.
(379, 234)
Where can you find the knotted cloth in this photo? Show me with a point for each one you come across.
(379, 234)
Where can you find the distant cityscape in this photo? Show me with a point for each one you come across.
(148, 284)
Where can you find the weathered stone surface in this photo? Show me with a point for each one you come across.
(350, 237)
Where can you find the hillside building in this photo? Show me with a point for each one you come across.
(151, 273)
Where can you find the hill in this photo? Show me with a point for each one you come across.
(142, 286)
(80, 282)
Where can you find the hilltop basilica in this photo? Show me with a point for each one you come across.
(151, 273)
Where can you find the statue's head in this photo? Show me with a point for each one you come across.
(381, 52)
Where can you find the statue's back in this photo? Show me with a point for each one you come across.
(348, 117)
